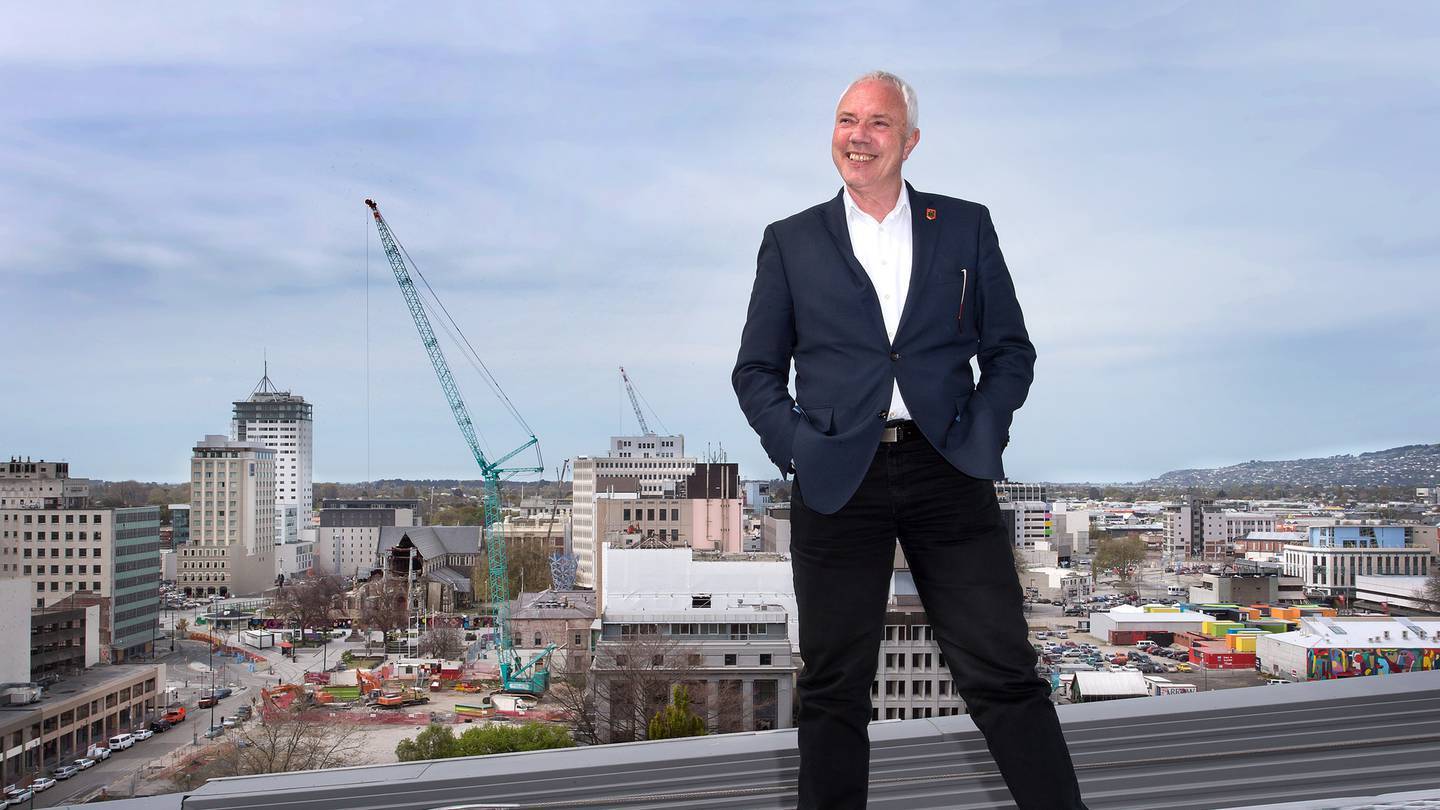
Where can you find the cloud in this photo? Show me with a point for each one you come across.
(1202, 209)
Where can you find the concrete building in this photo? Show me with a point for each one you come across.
(283, 422)
(1251, 588)
(1398, 594)
(84, 710)
(26, 484)
(64, 548)
(562, 618)
(737, 662)
(1222, 528)
(912, 678)
(232, 526)
(1028, 522)
(295, 560)
(1053, 582)
(1185, 529)
(1333, 570)
(347, 544)
(775, 529)
(1019, 491)
(1350, 646)
(757, 496)
(1267, 542)
(1074, 525)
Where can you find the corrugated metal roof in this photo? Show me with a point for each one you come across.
(1206, 750)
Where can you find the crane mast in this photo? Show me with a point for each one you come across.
(512, 669)
(639, 417)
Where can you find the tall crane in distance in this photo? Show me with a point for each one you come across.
(513, 671)
(635, 402)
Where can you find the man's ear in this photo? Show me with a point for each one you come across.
(910, 143)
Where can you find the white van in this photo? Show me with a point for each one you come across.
(121, 741)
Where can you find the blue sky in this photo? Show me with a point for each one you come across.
(1221, 219)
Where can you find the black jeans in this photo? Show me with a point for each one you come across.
(949, 526)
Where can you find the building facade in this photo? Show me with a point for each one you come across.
(283, 422)
(232, 520)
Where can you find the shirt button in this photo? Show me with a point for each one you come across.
(894, 355)
(881, 414)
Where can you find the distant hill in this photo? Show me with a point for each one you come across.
(1411, 465)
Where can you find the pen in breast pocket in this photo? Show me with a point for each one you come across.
(964, 279)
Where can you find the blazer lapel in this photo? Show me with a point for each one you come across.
(924, 233)
(833, 214)
(834, 217)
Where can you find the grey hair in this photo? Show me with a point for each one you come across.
(912, 101)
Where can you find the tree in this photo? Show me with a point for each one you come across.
(384, 606)
(614, 696)
(528, 568)
(439, 742)
(1431, 593)
(1021, 567)
(1120, 553)
(442, 642)
(287, 742)
(676, 719)
(505, 739)
(435, 742)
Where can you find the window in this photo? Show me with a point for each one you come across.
(579, 639)
(696, 659)
(622, 660)
(765, 659)
(674, 514)
(657, 660)
(538, 643)
(729, 659)
(700, 600)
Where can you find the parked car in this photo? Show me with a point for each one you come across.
(142, 734)
(84, 763)
(213, 732)
(229, 722)
(160, 726)
(42, 784)
(19, 796)
(224, 692)
(99, 753)
(65, 771)
(244, 712)
(206, 701)
(122, 741)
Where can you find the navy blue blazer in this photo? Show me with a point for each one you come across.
(812, 301)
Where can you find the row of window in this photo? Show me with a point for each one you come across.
(920, 661)
(69, 586)
(69, 552)
(918, 713)
(692, 659)
(55, 570)
(69, 518)
(55, 536)
(896, 688)
(649, 514)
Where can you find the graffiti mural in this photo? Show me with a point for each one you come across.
(1352, 663)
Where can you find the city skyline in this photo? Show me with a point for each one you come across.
(1219, 224)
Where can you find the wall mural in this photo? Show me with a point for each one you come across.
(1350, 663)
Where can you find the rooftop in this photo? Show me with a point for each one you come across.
(1287, 745)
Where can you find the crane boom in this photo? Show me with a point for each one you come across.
(640, 417)
(512, 669)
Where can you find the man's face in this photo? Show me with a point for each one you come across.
(869, 143)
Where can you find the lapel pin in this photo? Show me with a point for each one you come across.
(930, 213)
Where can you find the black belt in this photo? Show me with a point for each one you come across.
(899, 430)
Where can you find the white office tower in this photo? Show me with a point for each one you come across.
(284, 422)
(232, 520)
(654, 463)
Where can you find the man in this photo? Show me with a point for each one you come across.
(881, 296)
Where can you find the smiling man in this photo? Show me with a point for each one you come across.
(881, 297)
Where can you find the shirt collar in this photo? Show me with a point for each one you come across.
(902, 205)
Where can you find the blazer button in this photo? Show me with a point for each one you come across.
(894, 355)
(881, 414)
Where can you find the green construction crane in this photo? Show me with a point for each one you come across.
(515, 675)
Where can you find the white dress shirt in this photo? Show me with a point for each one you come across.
(884, 249)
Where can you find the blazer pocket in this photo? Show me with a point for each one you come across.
(822, 419)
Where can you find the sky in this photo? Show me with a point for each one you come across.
(1220, 218)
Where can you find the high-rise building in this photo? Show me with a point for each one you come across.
(75, 554)
(179, 524)
(1185, 528)
(283, 422)
(232, 519)
(652, 466)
